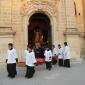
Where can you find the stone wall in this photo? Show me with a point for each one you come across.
(15, 14)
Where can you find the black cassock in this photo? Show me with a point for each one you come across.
(11, 68)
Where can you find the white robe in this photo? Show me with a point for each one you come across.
(60, 53)
(66, 53)
(11, 56)
(48, 55)
(30, 58)
(55, 51)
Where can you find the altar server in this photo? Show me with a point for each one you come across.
(60, 55)
(67, 55)
(11, 60)
(30, 62)
(55, 55)
(48, 58)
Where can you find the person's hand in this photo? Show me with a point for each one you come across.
(35, 64)
(17, 60)
(6, 60)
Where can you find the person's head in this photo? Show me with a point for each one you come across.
(65, 44)
(59, 46)
(53, 46)
(47, 47)
(29, 47)
(10, 46)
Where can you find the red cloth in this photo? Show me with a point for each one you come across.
(40, 61)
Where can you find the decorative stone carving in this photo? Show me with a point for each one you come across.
(39, 5)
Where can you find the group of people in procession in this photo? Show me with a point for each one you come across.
(50, 56)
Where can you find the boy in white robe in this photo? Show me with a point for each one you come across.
(48, 58)
(67, 55)
(60, 55)
(55, 55)
(11, 61)
(30, 62)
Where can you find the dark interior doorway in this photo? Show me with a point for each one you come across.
(39, 29)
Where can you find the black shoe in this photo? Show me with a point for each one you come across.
(12, 77)
(49, 69)
(28, 77)
(68, 66)
(9, 75)
(16, 73)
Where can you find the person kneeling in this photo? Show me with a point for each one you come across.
(48, 58)
(30, 62)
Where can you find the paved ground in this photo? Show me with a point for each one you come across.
(58, 76)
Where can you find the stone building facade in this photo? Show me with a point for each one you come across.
(67, 23)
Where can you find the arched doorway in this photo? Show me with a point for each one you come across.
(39, 29)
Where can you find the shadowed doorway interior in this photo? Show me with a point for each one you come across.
(39, 29)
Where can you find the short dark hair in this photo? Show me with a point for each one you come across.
(53, 45)
(65, 43)
(59, 45)
(29, 46)
(10, 44)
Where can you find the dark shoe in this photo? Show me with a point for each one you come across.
(12, 77)
(25, 76)
(28, 77)
(9, 75)
(49, 69)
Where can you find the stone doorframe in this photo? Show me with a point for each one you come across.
(45, 7)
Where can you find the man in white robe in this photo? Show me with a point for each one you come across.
(67, 55)
(60, 55)
(30, 62)
(48, 58)
(11, 61)
(55, 55)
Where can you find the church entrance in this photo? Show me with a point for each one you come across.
(39, 30)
